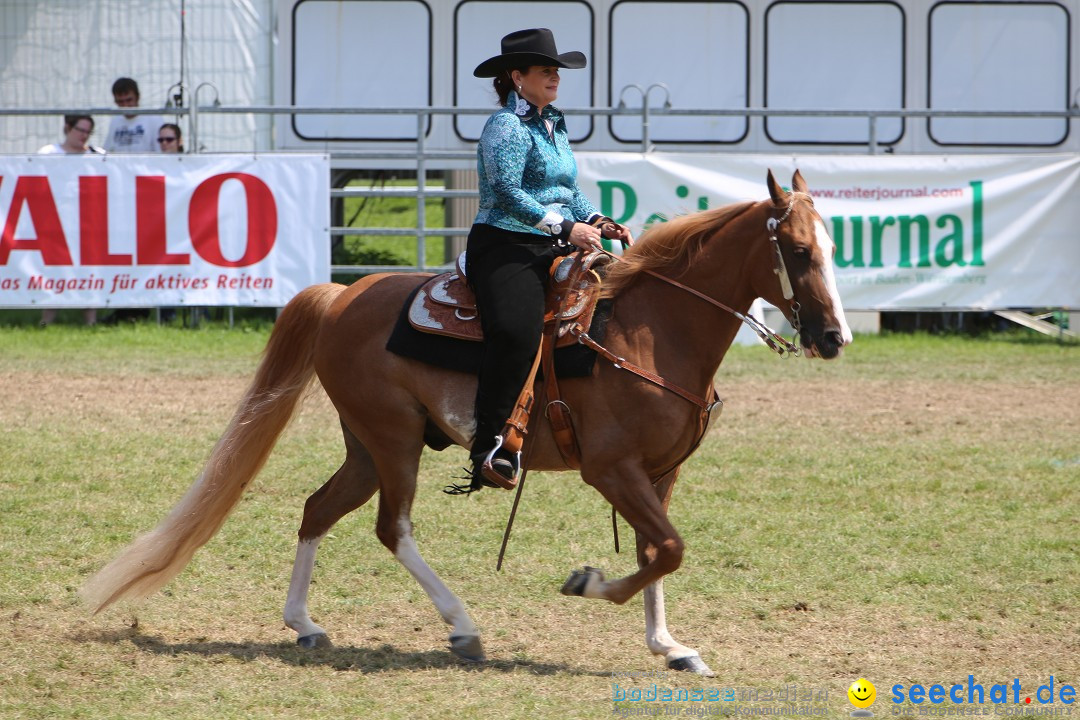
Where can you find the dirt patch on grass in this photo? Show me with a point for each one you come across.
(869, 406)
(40, 399)
(854, 406)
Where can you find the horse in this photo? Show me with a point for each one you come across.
(679, 295)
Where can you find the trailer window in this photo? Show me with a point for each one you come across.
(998, 56)
(700, 57)
(364, 54)
(834, 56)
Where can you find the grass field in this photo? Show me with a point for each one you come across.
(907, 514)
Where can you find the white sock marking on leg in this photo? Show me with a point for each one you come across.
(296, 611)
(448, 604)
(657, 636)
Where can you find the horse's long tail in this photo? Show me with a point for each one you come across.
(285, 372)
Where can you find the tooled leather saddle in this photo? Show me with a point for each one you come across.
(446, 305)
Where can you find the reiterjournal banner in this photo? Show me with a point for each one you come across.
(138, 230)
(911, 232)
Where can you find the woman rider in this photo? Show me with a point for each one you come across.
(531, 211)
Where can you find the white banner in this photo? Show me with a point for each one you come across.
(143, 231)
(912, 232)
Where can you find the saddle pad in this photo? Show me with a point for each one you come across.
(452, 353)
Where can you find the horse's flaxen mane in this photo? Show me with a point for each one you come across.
(670, 243)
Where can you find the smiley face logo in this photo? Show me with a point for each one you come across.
(862, 693)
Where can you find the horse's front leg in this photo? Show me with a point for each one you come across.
(627, 487)
(676, 655)
(659, 552)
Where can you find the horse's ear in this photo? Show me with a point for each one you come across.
(775, 191)
(798, 184)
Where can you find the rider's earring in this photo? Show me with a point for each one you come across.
(519, 88)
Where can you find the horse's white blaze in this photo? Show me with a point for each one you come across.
(448, 604)
(657, 636)
(825, 243)
(296, 611)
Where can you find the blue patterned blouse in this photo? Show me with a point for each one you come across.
(528, 178)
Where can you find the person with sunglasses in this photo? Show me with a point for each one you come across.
(170, 139)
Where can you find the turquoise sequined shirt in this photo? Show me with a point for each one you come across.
(528, 178)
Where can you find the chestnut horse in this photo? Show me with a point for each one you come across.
(633, 433)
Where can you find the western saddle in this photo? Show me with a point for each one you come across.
(446, 305)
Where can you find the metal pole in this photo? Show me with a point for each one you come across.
(873, 133)
(195, 112)
(645, 111)
(421, 201)
(193, 122)
(645, 124)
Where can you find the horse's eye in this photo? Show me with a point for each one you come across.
(801, 252)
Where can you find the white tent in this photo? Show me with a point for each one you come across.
(67, 53)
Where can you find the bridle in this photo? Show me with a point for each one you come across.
(776, 342)
(770, 337)
(780, 267)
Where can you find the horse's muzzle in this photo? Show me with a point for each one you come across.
(827, 345)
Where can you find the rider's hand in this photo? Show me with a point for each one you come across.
(612, 230)
(585, 237)
(618, 232)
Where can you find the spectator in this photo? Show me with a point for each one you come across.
(170, 139)
(77, 132)
(131, 133)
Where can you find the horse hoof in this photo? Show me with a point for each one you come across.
(467, 647)
(579, 581)
(311, 642)
(691, 663)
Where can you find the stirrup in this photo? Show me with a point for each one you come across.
(493, 468)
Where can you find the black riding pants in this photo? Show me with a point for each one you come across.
(509, 273)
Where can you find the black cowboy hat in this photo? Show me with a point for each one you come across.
(529, 47)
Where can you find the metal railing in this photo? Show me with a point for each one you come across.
(422, 155)
(645, 112)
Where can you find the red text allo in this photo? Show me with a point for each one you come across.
(34, 195)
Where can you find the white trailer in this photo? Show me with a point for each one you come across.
(724, 63)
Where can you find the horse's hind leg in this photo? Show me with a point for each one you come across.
(657, 637)
(394, 528)
(350, 487)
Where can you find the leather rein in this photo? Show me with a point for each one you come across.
(771, 338)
